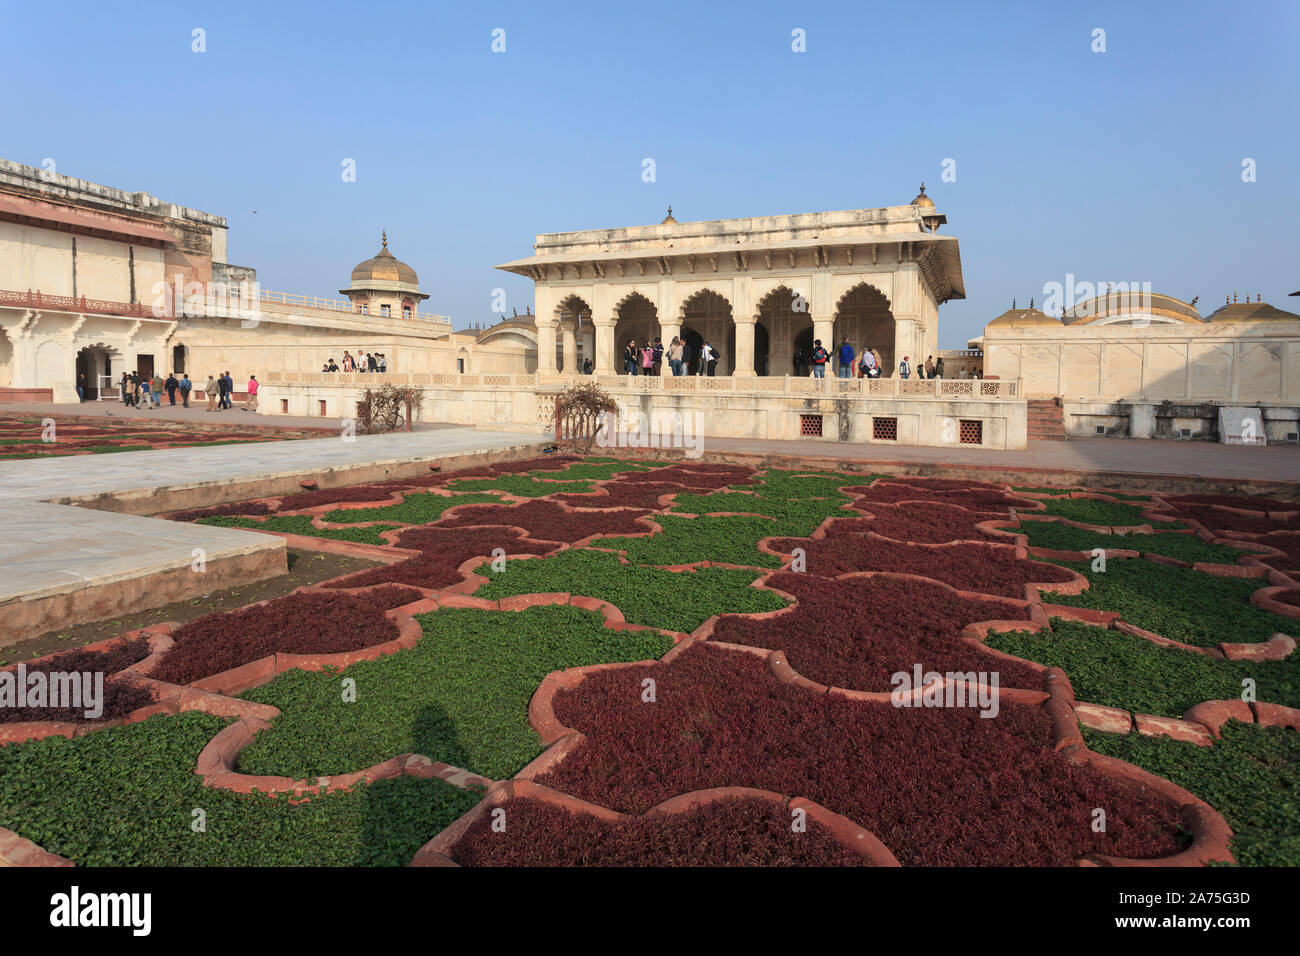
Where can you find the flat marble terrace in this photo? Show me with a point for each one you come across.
(63, 563)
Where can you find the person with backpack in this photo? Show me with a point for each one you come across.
(186, 386)
(904, 369)
(846, 359)
(647, 357)
(819, 359)
(144, 395)
(714, 357)
(706, 353)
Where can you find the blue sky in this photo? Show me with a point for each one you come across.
(1117, 166)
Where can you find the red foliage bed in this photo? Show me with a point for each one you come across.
(307, 622)
(699, 476)
(936, 786)
(858, 632)
(1287, 541)
(1217, 519)
(740, 832)
(623, 494)
(973, 499)
(970, 567)
(549, 463)
(119, 699)
(927, 522)
(546, 521)
(1234, 501)
(445, 550)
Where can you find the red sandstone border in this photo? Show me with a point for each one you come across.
(440, 851)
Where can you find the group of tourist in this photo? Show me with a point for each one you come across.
(146, 391)
(865, 363)
(361, 362)
(649, 358)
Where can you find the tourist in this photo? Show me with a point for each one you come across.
(211, 392)
(332, 367)
(714, 356)
(629, 357)
(868, 363)
(880, 365)
(124, 387)
(706, 354)
(800, 361)
(846, 359)
(904, 370)
(659, 356)
(372, 364)
(186, 386)
(383, 362)
(223, 391)
(675, 356)
(647, 359)
(586, 366)
(171, 385)
(819, 359)
(81, 387)
(929, 366)
(348, 363)
(156, 390)
(144, 394)
(687, 355)
(920, 370)
(250, 402)
(938, 367)
(133, 390)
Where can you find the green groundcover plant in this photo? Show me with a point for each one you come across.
(673, 600)
(127, 796)
(301, 524)
(1184, 605)
(1119, 670)
(1105, 513)
(1184, 547)
(1251, 775)
(459, 696)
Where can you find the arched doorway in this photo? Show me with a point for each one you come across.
(178, 360)
(803, 343)
(863, 315)
(94, 362)
(709, 315)
(574, 316)
(761, 346)
(637, 319)
(696, 343)
(783, 313)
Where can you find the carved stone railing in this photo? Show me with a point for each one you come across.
(973, 389)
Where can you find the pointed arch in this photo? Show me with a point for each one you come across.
(785, 314)
(638, 320)
(708, 314)
(863, 314)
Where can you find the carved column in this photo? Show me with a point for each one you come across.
(744, 348)
(604, 358)
(545, 345)
(570, 343)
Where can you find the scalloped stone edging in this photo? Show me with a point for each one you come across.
(440, 851)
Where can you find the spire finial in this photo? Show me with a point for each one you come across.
(922, 189)
(385, 237)
(1031, 301)
(1013, 303)
(670, 209)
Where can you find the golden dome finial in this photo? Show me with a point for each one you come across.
(922, 199)
(385, 238)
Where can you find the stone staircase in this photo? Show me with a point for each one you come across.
(1046, 420)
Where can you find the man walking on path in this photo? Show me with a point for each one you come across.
(211, 392)
(186, 386)
(250, 403)
(171, 385)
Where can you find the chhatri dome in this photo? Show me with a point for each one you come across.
(383, 284)
(922, 199)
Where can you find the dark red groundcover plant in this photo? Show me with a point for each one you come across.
(546, 521)
(858, 632)
(1217, 519)
(623, 494)
(1287, 541)
(305, 622)
(927, 522)
(220, 511)
(444, 551)
(736, 832)
(986, 568)
(698, 476)
(1234, 501)
(119, 698)
(936, 786)
(976, 499)
(550, 463)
